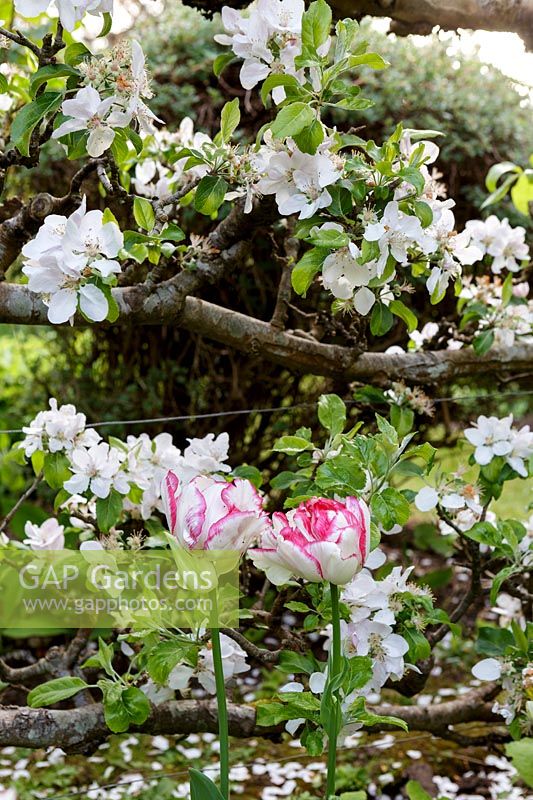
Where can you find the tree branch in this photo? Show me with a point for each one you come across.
(421, 16)
(168, 304)
(78, 729)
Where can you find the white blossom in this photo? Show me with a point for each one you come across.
(496, 238)
(97, 469)
(65, 258)
(298, 180)
(70, 11)
(60, 428)
(233, 663)
(48, 536)
(396, 233)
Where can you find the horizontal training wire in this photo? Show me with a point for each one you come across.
(215, 768)
(274, 410)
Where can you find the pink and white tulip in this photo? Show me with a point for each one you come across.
(321, 540)
(210, 514)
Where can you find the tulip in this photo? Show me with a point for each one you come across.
(210, 514)
(321, 540)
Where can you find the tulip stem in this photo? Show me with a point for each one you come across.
(222, 713)
(335, 668)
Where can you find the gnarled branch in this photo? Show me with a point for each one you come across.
(421, 16)
(168, 304)
(78, 729)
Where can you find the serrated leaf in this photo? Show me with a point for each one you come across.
(210, 194)
(47, 694)
(229, 119)
(292, 119)
(29, 117)
(292, 445)
(49, 72)
(108, 510)
(56, 470)
(307, 267)
(144, 213)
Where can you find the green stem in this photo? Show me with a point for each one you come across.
(222, 713)
(335, 668)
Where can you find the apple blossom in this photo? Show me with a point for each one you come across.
(321, 540)
(233, 663)
(298, 180)
(48, 536)
(268, 39)
(65, 255)
(210, 514)
(70, 11)
(396, 233)
(204, 456)
(97, 469)
(347, 279)
(491, 437)
(60, 428)
(88, 111)
(498, 239)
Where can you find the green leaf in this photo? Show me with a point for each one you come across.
(483, 342)
(50, 72)
(75, 53)
(313, 741)
(414, 177)
(136, 704)
(401, 310)
(307, 267)
(423, 212)
(202, 787)
(521, 754)
(277, 80)
(221, 62)
(416, 792)
(103, 658)
(56, 470)
(316, 24)
(106, 27)
(108, 510)
(229, 119)
(172, 233)
(402, 418)
(292, 445)
(390, 508)
(372, 60)
(332, 413)
(249, 473)
(497, 171)
(48, 694)
(493, 641)
(522, 192)
(296, 662)
(499, 193)
(292, 119)
(144, 213)
(3, 84)
(115, 713)
(210, 194)
(28, 118)
(328, 237)
(310, 138)
(381, 319)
